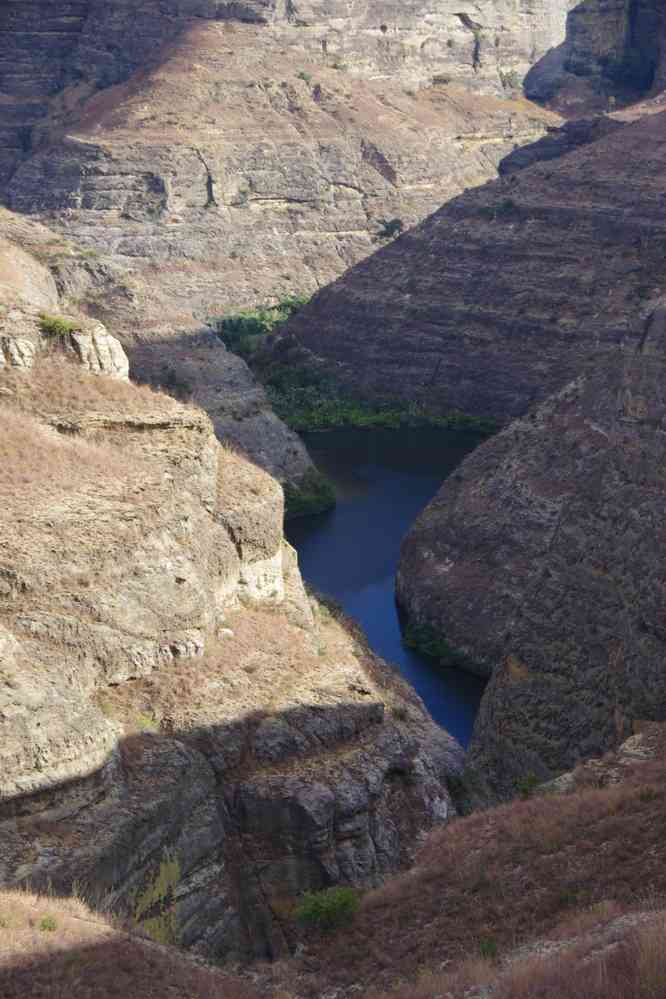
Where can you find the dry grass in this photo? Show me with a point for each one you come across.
(35, 459)
(56, 386)
(634, 968)
(509, 876)
(54, 948)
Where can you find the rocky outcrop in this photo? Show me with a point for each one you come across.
(540, 560)
(205, 155)
(613, 50)
(506, 293)
(183, 734)
(32, 321)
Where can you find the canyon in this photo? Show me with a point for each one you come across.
(188, 737)
(199, 156)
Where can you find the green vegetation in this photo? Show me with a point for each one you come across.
(527, 785)
(243, 332)
(158, 896)
(325, 910)
(306, 77)
(57, 326)
(430, 643)
(146, 723)
(313, 494)
(47, 924)
(488, 949)
(309, 399)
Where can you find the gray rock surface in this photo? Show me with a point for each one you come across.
(508, 291)
(28, 293)
(202, 156)
(541, 560)
(183, 733)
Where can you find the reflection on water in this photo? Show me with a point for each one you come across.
(383, 479)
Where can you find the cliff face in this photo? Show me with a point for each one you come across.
(541, 560)
(509, 291)
(182, 732)
(209, 155)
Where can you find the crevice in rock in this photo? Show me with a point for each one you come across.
(210, 182)
(476, 30)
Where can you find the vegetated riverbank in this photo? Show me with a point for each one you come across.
(382, 480)
(309, 400)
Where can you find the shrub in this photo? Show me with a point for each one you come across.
(47, 924)
(313, 494)
(244, 331)
(527, 785)
(488, 949)
(325, 910)
(306, 77)
(390, 228)
(57, 326)
(424, 639)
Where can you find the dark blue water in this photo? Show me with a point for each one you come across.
(383, 479)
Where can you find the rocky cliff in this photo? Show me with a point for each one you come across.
(508, 291)
(205, 155)
(184, 734)
(541, 561)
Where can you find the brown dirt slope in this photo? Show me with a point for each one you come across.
(493, 894)
(52, 947)
(181, 728)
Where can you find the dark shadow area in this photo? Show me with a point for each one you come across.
(122, 967)
(624, 71)
(204, 836)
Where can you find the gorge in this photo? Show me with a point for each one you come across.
(469, 197)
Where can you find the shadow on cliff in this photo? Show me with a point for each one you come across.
(627, 75)
(257, 805)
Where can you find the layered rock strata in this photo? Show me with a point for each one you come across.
(207, 155)
(184, 736)
(509, 291)
(540, 560)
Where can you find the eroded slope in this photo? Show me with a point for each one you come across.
(174, 711)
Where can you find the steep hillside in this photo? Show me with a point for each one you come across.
(508, 291)
(45, 273)
(184, 734)
(540, 561)
(613, 49)
(60, 946)
(207, 155)
(545, 898)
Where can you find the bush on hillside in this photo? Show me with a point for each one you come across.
(325, 910)
(57, 326)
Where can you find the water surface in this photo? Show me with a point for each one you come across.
(383, 479)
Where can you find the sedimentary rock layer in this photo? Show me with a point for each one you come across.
(541, 559)
(509, 291)
(208, 155)
(183, 734)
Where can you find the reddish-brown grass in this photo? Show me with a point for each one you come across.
(508, 876)
(53, 948)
